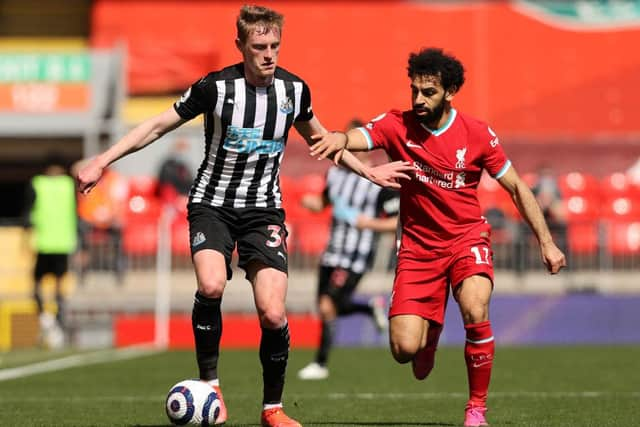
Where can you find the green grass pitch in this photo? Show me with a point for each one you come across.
(536, 386)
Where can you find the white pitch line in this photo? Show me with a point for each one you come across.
(76, 360)
(351, 396)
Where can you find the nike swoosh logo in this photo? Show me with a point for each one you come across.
(477, 365)
(413, 145)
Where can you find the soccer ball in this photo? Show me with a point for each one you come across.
(192, 402)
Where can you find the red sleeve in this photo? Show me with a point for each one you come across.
(495, 159)
(380, 129)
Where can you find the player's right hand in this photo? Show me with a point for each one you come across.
(89, 173)
(553, 257)
(327, 144)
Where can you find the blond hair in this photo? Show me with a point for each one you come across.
(258, 18)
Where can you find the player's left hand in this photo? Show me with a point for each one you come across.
(552, 257)
(328, 144)
(388, 174)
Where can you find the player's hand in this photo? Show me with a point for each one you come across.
(552, 257)
(388, 174)
(328, 144)
(88, 175)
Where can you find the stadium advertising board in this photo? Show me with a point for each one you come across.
(45, 83)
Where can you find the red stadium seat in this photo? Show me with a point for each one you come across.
(140, 237)
(142, 186)
(583, 237)
(491, 195)
(623, 237)
(180, 244)
(312, 183)
(621, 208)
(312, 237)
(578, 183)
(140, 229)
(618, 185)
(581, 208)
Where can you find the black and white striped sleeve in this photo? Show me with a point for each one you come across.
(197, 99)
(306, 112)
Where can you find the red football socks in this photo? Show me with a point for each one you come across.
(478, 353)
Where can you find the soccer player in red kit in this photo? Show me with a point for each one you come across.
(444, 243)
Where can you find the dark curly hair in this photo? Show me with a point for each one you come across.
(434, 62)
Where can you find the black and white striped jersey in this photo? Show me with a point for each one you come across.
(246, 130)
(349, 247)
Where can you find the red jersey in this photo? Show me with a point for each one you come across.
(439, 206)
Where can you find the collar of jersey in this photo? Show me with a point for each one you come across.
(443, 129)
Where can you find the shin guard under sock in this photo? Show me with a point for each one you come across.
(478, 353)
(206, 321)
(274, 353)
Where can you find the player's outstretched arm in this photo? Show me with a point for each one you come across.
(90, 170)
(528, 207)
(385, 175)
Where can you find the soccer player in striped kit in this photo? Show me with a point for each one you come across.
(249, 109)
(445, 242)
(361, 210)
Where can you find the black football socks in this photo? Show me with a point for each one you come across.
(206, 321)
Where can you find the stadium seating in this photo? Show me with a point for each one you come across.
(145, 186)
(618, 185)
(140, 230)
(492, 196)
(311, 237)
(623, 237)
(582, 223)
(578, 183)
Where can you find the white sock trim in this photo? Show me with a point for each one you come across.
(271, 406)
(486, 340)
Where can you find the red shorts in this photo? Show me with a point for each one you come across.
(422, 288)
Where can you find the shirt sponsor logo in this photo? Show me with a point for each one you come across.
(428, 175)
(249, 140)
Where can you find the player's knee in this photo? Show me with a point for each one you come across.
(212, 286)
(326, 308)
(475, 314)
(272, 317)
(403, 351)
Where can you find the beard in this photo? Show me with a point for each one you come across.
(432, 116)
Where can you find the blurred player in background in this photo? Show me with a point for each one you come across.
(235, 199)
(361, 210)
(51, 214)
(445, 239)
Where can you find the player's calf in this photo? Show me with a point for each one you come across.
(424, 360)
